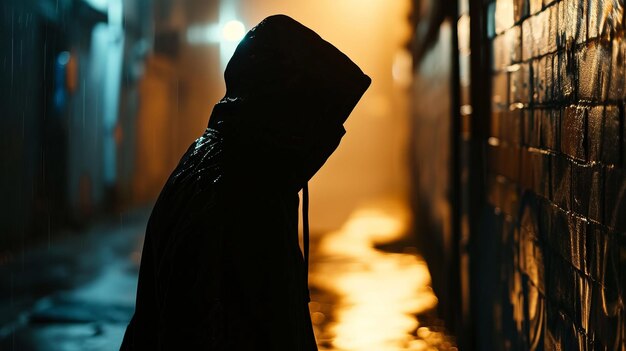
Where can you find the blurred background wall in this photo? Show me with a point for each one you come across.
(70, 73)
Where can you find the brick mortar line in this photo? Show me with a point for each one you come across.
(555, 152)
(579, 103)
(551, 249)
(543, 9)
(520, 189)
(620, 34)
(551, 152)
(555, 252)
(559, 308)
(522, 19)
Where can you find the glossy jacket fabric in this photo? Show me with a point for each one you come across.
(221, 268)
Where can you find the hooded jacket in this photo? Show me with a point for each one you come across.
(221, 268)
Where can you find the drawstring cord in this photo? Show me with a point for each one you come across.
(305, 237)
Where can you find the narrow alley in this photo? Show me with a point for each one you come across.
(466, 162)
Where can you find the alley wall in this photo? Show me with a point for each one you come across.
(556, 173)
(547, 247)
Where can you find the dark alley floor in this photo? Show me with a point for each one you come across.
(77, 292)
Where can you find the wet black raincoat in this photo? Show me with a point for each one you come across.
(221, 268)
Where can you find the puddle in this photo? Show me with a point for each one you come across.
(367, 299)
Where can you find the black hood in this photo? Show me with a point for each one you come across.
(288, 93)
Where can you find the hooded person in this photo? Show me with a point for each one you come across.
(221, 268)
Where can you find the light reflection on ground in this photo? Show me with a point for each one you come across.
(375, 295)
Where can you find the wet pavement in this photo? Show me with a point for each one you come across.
(75, 293)
(370, 289)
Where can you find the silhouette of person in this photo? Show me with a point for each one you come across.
(221, 267)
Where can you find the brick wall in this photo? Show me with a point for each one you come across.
(556, 177)
(553, 222)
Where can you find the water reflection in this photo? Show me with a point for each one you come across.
(377, 294)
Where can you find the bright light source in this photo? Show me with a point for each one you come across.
(233, 31)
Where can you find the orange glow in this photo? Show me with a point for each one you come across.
(379, 292)
(370, 161)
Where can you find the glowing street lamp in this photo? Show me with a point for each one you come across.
(233, 31)
(226, 36)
